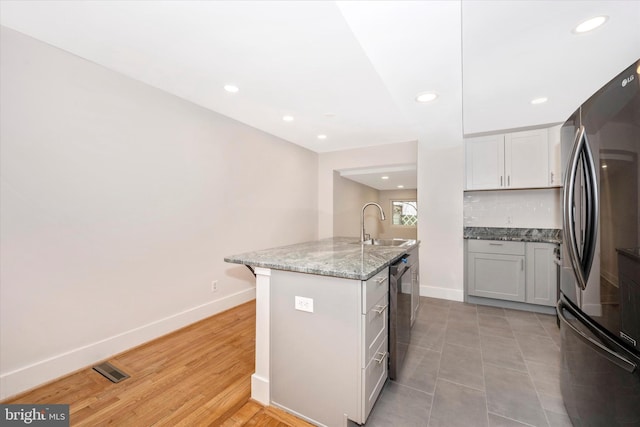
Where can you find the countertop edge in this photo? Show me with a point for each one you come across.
(302, 268)
(533, 235)
(515, 239)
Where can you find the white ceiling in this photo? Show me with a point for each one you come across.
(385, 177)
(351, 70)
(514, 51)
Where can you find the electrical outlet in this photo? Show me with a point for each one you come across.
(304, 304)
(214, 286)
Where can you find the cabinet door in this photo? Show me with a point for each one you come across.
(374, 376)
(555, 165)
(496, 276)
(484, 162)
(542, 279)
(527, 159)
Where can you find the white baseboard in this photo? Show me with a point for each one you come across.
(28, 377)
(260, 390)
(442, 293)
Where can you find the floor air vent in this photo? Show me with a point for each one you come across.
(110, 372)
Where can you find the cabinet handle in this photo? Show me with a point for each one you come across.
(380, 308)
(381, 280)
(552, 178)
(508, 180)
(521, 264)
(381, 357)
(500, 180)
(496, 244)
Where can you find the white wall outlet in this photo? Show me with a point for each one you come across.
(214, 286)
(304, 304)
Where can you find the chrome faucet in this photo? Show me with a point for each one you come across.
(362, 233)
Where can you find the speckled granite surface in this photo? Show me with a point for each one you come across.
(341, 257)
(544, 235)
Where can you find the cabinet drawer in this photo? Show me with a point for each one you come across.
(374, 377)
(374, 289)
(495, 247)
(375, 328)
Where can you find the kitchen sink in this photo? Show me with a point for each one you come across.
(388, 242)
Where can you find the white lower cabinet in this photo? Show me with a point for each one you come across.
(542, 279)
(374, 376)
(496, 270)
(512, 271)
(328, 364)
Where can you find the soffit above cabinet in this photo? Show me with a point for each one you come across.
(351, 70)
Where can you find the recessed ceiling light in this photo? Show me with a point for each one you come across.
(384, 177)
(590, 24)
(287, 118)
(231, 88)
(426, 97)
(540, 100)
(604, 166)
(322, 136)
(400, 186)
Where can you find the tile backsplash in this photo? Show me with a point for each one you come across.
(540, 208)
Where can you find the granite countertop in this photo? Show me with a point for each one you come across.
(343, 257)
(543, 235)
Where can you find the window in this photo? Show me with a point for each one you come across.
(404, 213)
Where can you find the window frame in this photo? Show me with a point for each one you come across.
(403, 200)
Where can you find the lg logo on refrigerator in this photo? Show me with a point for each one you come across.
(628, 80)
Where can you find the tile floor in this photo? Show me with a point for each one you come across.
(472, 365)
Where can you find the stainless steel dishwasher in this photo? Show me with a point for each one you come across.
(399, 314)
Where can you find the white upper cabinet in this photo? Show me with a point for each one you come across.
(508, 161)
(555, 166)
(485, 162)
(526, 159)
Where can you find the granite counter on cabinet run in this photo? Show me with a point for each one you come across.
(540, 235)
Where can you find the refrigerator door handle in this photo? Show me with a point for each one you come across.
(568, 214)
(580, 151)
(610, 355)
(591, 209)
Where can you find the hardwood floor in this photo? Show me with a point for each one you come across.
(197, 376)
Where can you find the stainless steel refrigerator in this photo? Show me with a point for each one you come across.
(599, 305)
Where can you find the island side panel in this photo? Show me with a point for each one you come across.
(315, 356)
(260, 389)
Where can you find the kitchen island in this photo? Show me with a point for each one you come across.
(322, 326)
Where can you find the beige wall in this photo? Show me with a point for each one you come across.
(348, 199)
(440, 225)
(119, 202)
(382, 155)
(388, 230)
